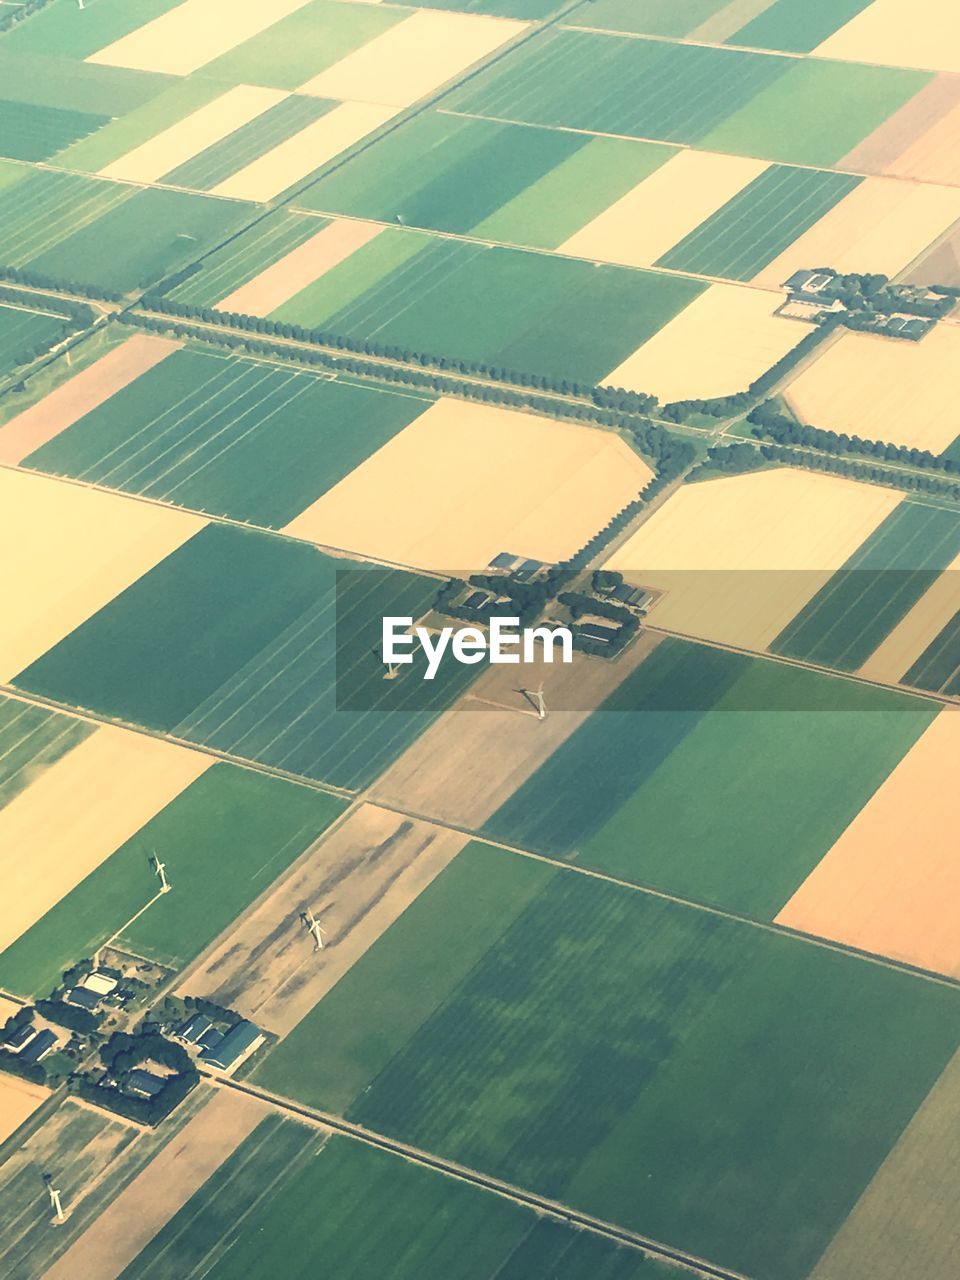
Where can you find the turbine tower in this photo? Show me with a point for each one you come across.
(55, 1204)
(539, 702)
(312, 925)
(161, 869)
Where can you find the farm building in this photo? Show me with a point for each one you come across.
(236, 1045)
(83, 998)
(143, 1084)
(100, 982)
(18, 1039)
(195, 1027)
(43, 1042)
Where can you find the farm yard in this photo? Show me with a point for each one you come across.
(632, 968)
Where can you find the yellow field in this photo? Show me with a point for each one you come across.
(716, 346)
(935, 156)
(923, 33)
(413, 58)
(739, 557)
(466, 481)
(644, 224)
(192, 34)
(885, 389)
(882, 225)
(68, 551)
(18, 1100)
(292, 160)
(914, 634)
(78, 812)
(194, 133)
(7, 1009)
(308, 262)
(891, 883)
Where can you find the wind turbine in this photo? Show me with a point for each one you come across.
(55, 1204)
(161, 869)
(312, 925)
(538, 702)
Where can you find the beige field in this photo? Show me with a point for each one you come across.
(466, 481)
(940, 266)
(935, 157)
(192, 34)
(147, 1203)
(891, 883)
(923, 33)
(716, 346)
(885, 389)
(68, 550)
(361, 876)
(660, 211)
(914, 634)
(7, 1009)
(475, 756)
(739, 557)
(905, 1223)
(413, 58)
(18, 1100)
(308, 262)
(880, 151)
(25, 433)
(80, 811)
(882, 226)
(293, 159)
(193, 134)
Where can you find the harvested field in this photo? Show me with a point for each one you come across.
(453, 490)
(892, 881)
(470, 763)
(79, 811)
(36, 426)
(672, 1096)
(31, 740)
(881, 389)
(918, 630)
(294, 159)
(357, 881)
(202, 430)
(193, 134)
(18, 1101)
(160, 1191)
(933, 158)
(881, 226)
(299, 268)
(192, 34)
(76, 549)
(739, 556)
(715, 347)
(927, 35)
(413, 58)
(919, 119)
(905, 1222)
(643, 225)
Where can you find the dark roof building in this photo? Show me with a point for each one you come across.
(599, 631)
(144, 1084)
(194, 1029)
(17, 1039)
(236, 1045)
(83, 999)
(43, 1042)
(210, 1038)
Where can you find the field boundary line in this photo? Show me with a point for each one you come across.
(487, 1182)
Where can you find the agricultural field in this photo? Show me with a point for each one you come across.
(875, 589)
(618, 795)
(938, 666)
(796, 26)
(452, 490)
(31, 740)
(221, 816)
(18, 1101)
(200, 430)
(650, 1071)
(882, 32)
(897, 392)
(32, 132)
(272, 683)
(24, 331)
(725, 583)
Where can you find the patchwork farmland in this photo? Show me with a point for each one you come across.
(636, 967)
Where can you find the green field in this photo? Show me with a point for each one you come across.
(658, 796)
(298, 47)
(765, 218)
(22, 332)
(217, 163)
(30, 132)
(670, 1071)
(648, 17)
(202, 430)
(224, 840)
(287, 1196)
(65, 29)
(509, 182)
(816, 112)
(51, 80)
(938, 668)
(244, 256)
(797, 26)
(861, 604)
(261, 647)
(46, 207)
(31, 740)
(617, 84)
(528, 312)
